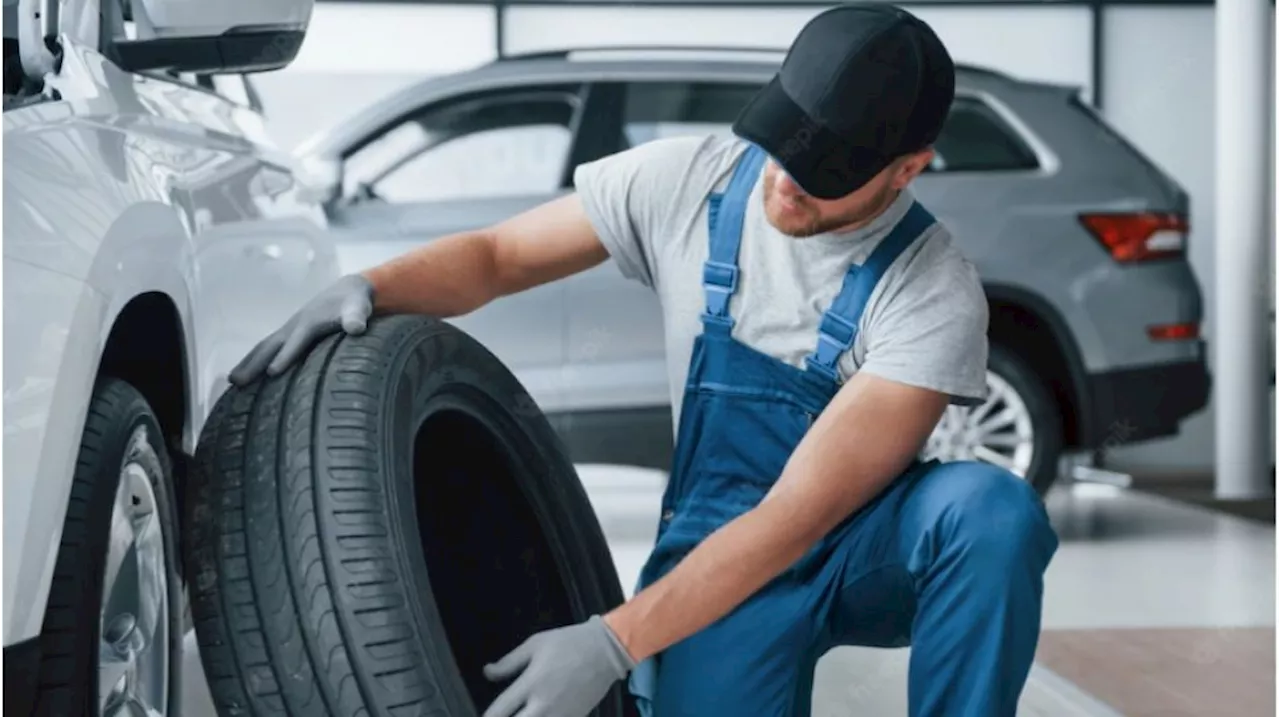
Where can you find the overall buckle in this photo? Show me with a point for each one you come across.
(828, 350)
(837, 328)
(720, 276)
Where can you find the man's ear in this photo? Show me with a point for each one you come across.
(910, 167)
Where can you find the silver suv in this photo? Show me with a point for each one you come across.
(1080, 240)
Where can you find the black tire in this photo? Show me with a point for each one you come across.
(1046, 418)
(120, 429)
(370, 528)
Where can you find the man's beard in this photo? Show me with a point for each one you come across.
(814, 224)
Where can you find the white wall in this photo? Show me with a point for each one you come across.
(1157, 87)
(356, 53)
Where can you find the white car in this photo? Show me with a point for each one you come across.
(152, 234)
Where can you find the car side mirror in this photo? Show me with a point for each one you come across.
(231, 36)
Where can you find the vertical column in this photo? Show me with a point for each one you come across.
(1240, 333)
(500, 28)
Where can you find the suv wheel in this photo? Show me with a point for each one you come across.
(1018, 427)
(111, 639)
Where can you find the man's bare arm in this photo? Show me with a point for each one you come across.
(457, 274)
(865, 438)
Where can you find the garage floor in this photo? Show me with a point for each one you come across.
(1152, 607)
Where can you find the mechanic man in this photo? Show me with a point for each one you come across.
(819, 320)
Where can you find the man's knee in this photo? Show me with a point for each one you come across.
(990, 514)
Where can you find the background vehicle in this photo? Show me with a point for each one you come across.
(153, 233)
(1080, 241)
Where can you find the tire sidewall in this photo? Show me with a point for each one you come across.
(1046, 419)
(444, 369)
(134, 436)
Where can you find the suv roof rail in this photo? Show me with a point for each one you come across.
(568, 53)
(632, 51)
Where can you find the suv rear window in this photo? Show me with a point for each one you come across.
(976, 139)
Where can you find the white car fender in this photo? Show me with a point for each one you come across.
(49, 370)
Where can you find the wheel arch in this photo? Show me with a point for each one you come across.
(147, 321)
(1029, 326)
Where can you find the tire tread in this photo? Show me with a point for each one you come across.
(302, 601)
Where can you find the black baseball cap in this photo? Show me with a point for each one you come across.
(863, 84)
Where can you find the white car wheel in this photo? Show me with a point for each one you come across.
(111, 640)
(999, 431)
(1017, 427)
(133, 658)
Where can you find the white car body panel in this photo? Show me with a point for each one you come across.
(47, 378)
(128, 185)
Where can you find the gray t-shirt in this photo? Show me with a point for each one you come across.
(925, 324)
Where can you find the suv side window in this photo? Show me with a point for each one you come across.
(655, 110)
(509, 143)
(976, 139)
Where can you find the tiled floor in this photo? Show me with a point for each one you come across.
(1171, 671)
(1161, 608)
(1137, 560)
(1199, 490)
(1126, 561)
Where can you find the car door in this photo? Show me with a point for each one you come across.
(616, 351)
(461, 164)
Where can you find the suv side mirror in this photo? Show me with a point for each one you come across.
(213, 36)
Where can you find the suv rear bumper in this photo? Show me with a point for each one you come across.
(1138, 404)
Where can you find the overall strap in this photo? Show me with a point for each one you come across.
(725, 215)
(839, 326)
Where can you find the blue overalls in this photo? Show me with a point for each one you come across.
(949, 559)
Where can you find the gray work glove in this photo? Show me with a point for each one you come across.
(564, 672)
(345, 305)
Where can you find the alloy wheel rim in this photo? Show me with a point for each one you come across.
(999, 431)
(133, 650)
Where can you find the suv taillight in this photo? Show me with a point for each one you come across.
(1134, 237)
